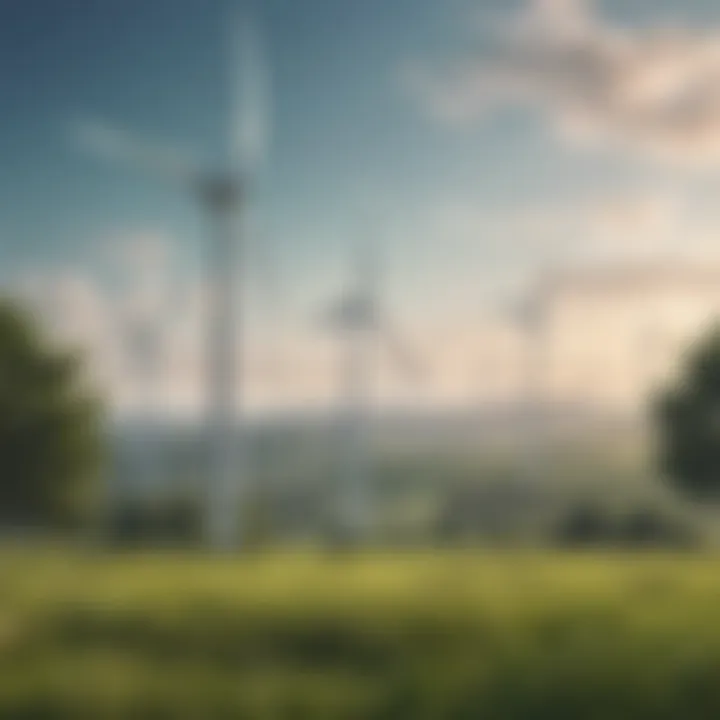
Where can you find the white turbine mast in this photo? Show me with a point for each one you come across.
(220, 192)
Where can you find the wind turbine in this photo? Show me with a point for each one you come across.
(220, 192)
(142, 349)
(142, 298)
(359, 319)
(529, 316)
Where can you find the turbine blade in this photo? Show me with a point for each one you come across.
(114, 145)
(250, 96)
(371, 309)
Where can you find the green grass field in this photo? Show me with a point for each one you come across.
(455, 635)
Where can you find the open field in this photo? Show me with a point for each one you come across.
(455, 635)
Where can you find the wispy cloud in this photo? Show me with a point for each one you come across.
(652, 90)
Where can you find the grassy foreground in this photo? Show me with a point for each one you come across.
(300, 636)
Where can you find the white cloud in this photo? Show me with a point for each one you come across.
(143, 328)
(444, 299)
(652, 90)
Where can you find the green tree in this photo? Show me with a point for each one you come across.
(688, 422)
(50, 437)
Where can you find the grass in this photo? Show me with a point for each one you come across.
(454, 635)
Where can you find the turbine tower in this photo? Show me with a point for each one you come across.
(220, 192)
(359, 319)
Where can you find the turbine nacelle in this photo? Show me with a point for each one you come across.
(354, 313)
(221, 193)
(218, 190)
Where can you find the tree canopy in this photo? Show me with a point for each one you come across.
(50, 436)
(688, 422)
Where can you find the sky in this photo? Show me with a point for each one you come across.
(470, 141)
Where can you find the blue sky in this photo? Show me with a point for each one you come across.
(346, 132)
(349, 140)
(342, 127)
(356, 148)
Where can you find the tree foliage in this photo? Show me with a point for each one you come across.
(50, 443)
(688, 422)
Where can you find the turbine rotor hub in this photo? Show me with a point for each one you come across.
(221, 193)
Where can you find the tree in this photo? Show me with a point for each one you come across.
(50, 438)
(688, 422)
(587, 523)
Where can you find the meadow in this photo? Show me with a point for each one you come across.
(374, 635)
